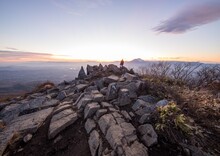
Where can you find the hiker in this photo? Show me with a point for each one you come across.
(122, 63)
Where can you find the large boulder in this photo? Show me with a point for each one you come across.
(113, 68)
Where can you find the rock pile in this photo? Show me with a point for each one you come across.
(108, 100)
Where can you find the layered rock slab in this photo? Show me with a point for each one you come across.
(23, 125)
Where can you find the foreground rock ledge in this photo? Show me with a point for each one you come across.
(106, 101)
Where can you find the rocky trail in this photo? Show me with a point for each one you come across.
(104, 112)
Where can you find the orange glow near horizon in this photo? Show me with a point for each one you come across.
(111, 58)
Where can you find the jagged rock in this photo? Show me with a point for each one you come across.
(149, 136)
(89, 69)
(98, 97)
(99, 83)
(90, 125)
(126, 115)
(82, 74)
(26, 124)
(148, 98)
(113, 68)
(4, 104)
(162, 103)
(104, 90)
(91, 88)
(131, 114)
(50, 103)
(144, 118)
(81, 87)
(138, 104)
(117, 115)
(112, 91)
(141, 107)
(90, 109)
(106, 105)
(83, 102)
(132, 87)
(62, 95)
(105, 122)
(129, 132)
(95, 143)
(101, 112)
(136, 149)
(10, 112)
(114, 136)
(130, 77)
(61, 108)
(101, 67)
(56, 126)
(111, 79)
(52, 95)
(27, 138)
(62, 114)
(124, 98)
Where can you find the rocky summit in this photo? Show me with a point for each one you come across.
(103, 112)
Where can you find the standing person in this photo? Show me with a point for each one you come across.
(122, 63)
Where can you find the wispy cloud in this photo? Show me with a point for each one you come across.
(190, 18)
(79, 7)
(11, 48)
(18, 56)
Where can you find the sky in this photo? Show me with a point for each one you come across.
(109, 30)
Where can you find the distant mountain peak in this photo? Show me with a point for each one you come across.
(137, 60)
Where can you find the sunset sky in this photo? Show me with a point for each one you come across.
(107, 30)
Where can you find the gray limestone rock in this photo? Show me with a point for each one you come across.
(106, 105)
(111, 79)
(83, 102)
(112, 92)
(144, 118)
(132, 88)
(81, 87)
(98, 97)
(162, 103)
(105, 122)
(101, 112)
(58, 125)
(124, 97)
(95, 143)
(113, 68)
(149, 136)
(62, 95)
(62, 114)
(148, 98)
(90, 125)
(130, 77)
(82, 74)
(61, 108)
(25, 124)
(114, 136)
(126, 115)
(50, 103)
(136, 149)
(104, 90)
(141, 107)
(91, 109)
